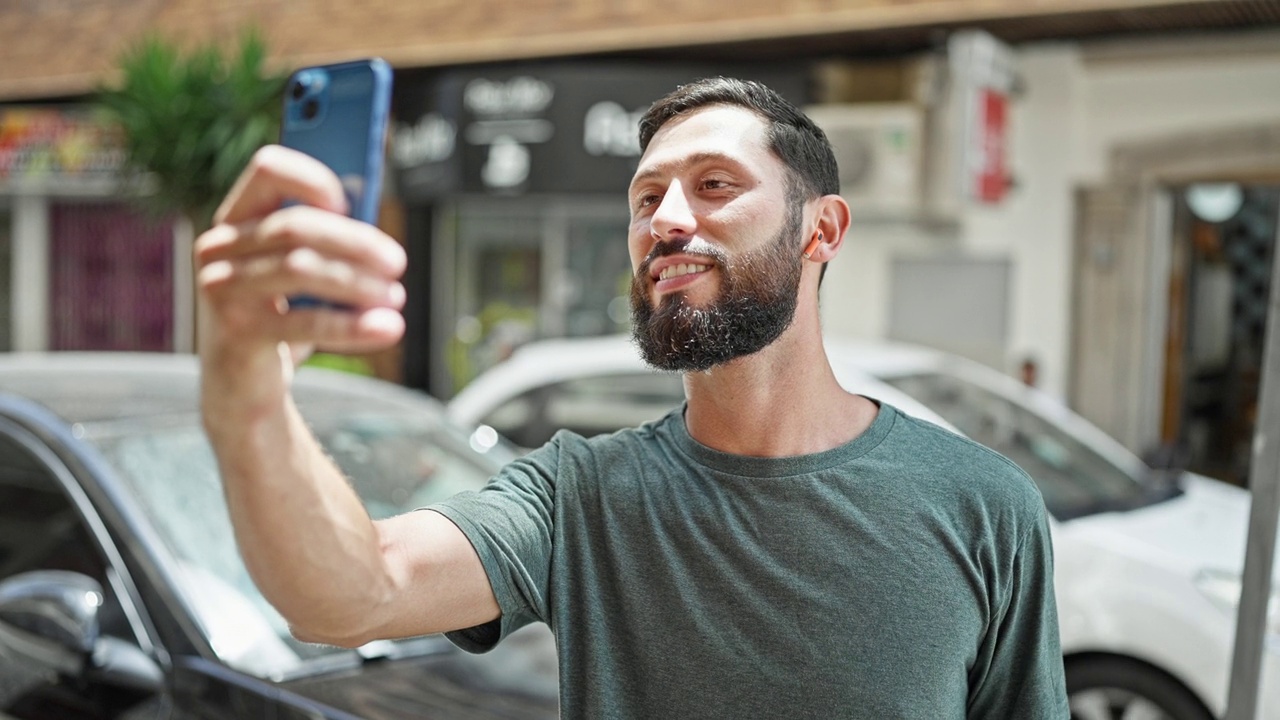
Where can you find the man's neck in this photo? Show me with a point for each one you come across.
(782, 401)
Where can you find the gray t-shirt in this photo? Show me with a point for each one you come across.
(906, 574)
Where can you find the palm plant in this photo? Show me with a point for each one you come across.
(191, 120)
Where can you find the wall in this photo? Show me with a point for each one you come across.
(1034, 224)
(1080, 101)
(1209, 83)
(1031, 227)
(30, 244)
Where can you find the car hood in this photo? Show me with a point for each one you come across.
(516, 681)
(1203, 528)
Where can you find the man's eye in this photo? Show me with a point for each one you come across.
(647, 200)
(714, 184)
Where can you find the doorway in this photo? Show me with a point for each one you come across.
(1224, 235)
(111, 278)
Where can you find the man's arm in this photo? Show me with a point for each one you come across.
(334, 574)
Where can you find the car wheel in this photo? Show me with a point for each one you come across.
(1118, 689)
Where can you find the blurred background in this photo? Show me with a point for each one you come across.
(1079, 194)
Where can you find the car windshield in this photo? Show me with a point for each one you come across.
(591, 405)
(1074, 479)
(396, 459)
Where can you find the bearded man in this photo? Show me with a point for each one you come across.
(777, 547)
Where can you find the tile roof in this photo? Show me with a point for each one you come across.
(53, 48)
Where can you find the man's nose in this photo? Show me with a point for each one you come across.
(673, 216)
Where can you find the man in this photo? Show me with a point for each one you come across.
(776, 548)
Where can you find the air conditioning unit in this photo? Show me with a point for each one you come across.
(880, 149)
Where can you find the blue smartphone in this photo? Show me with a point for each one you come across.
(338, 114)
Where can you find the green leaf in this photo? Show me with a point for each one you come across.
(192, 119)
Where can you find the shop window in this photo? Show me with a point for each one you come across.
(525, 273)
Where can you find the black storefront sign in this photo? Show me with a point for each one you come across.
(534, 128)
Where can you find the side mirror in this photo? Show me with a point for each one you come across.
(51, 618)
(1166, 465)
(1168, 457)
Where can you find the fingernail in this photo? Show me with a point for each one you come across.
(393, 256)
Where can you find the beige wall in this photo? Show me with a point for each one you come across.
(1081, 103)
(1134, 99)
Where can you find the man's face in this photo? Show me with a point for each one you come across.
(715, 241)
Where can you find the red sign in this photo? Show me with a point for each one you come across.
(982, 75)
(991, 174)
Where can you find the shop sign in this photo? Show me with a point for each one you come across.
(52, 146)
(535, 129)
(506, 118)
(610, 129)
(982, 78)
(990, 174)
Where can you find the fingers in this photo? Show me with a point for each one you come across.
(275, 175)
(325, 233)
(257, 254)
(247, 314)
(336, 330)
(301, 272)
(246, 271)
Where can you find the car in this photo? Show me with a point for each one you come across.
(595, 385)
(122, 593)
(1148, 560)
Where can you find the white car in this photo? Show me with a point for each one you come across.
(1148, 562)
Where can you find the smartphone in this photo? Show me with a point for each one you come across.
(338, 114)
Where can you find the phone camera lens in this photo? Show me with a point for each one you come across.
(299, 89)
(310, 109)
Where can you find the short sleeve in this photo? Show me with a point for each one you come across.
(1019, 673)
(510, 523)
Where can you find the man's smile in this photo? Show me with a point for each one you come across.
(673, 273)
(682, 269)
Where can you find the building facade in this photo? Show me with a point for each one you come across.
(82, 266)
(1018, 201)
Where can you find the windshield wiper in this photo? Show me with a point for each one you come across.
(375, 651)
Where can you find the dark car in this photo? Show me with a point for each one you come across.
(122, 593)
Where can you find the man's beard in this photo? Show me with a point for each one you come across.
(756, 304)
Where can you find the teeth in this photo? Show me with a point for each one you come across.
(681, 269)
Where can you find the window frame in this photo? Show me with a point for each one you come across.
(116, 569)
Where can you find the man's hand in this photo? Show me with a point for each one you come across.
(304, 534)
(258, 253)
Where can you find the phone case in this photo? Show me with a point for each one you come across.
(338, 114)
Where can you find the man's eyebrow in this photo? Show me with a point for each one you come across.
(669, 167)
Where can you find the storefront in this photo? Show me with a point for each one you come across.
(1173, 248)
(81, 267)
(514, 183)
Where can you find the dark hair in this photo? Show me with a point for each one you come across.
(792, 136)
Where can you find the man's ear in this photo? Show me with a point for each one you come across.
(831, 222)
